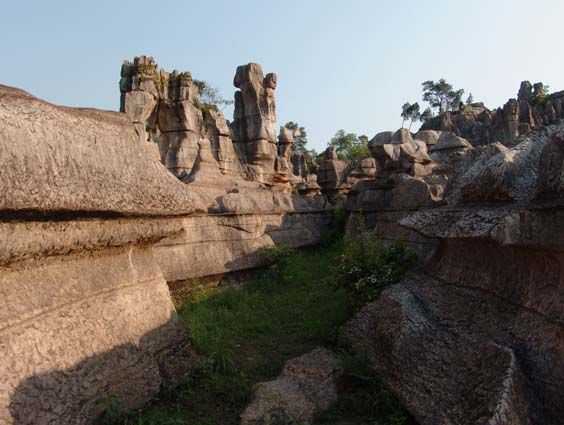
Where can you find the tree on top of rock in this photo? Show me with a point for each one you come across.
(349, 146)
(410, 112)
(426, 115)
(210, 98)
(470, 99)
(300, 136)
(441, 95)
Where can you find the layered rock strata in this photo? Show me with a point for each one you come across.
(86, 311)
(477, 336)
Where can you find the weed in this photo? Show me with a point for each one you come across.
(366, 266)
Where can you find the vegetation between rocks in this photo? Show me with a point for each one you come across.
(247, 334)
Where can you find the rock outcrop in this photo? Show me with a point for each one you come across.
(477, 335)
(167, 112)
(254, 124)
(306, 387)
(93, 226)
(86, 311)
(507, 124)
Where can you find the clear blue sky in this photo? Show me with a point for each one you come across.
(340, 64)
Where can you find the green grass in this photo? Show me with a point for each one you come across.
(246, 334)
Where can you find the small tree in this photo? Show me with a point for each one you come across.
(426, 115)
(210, 98)
(540, 95)
(300, 136)
(349, 146)
(470, 99)
(441, 95)
(410, 112)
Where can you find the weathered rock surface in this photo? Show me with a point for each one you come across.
(306, 387)
(88, 229)
(254, 124)
(477, 336)
(332, 174)
(165, 109)
(85, 309)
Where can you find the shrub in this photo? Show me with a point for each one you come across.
(366, 266)
(277, 256)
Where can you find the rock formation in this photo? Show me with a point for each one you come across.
(86, 311)
(254, 124)
(477, 335)
(94, 229)
(165, 109)
(506, 125)
(306, 387)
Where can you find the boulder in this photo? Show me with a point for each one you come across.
(429, 137)
(306, 387)
(449, 148)
(401, 136)
(332, 174)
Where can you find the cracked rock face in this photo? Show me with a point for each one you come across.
(477, 336)
(85, 309)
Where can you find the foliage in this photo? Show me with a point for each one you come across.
(426, 115)
(338, 223)
(349, 146)
(470, 99)
(541, 97)
(300, 136)
(365, 266)
(310, 157)
(247, 334)
(210, 97)
(441, 95)
(114, 412)
(277, 256)
(410, 112)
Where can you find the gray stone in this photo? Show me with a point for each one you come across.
(306, 387)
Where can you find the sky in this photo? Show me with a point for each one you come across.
(340, 64)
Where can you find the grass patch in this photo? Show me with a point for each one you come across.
(247, 334)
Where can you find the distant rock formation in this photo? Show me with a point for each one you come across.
(507, 124)
(254, 123)
(165, 109)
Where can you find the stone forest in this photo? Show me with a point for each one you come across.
(165, 265)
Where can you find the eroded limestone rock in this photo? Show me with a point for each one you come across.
(254, 124)
(85, 309)
(518, 117)
(306, 387)
(477, 335)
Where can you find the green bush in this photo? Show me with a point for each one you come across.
(277, 256)
(366, 266)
